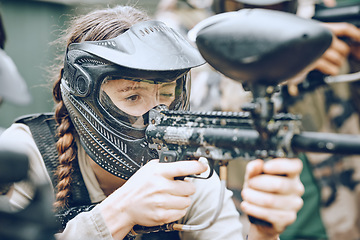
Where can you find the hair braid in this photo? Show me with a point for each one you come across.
(66, 148)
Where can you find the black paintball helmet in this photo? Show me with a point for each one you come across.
(104, 83)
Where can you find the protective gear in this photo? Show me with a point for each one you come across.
(105, 83)
(220, 6)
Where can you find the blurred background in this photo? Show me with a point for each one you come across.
(30, 26)
(332, 182)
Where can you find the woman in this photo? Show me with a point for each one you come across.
(119, 65)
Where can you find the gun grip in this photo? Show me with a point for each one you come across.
(260, 222)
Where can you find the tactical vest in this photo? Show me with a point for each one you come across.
(43, 128)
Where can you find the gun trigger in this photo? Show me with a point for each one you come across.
(211, 165)
(168, 156)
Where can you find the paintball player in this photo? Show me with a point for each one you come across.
(328, 109)
(334, 108)
(105, 177)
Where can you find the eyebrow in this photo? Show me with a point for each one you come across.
(168, 84)
(126, 88)
(136, 86)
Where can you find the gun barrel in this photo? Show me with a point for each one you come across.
(241, 142)
(326, 143)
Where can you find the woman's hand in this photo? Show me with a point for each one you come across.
(151, 196)
(272, 192)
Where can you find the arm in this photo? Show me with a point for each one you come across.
(151, 197)
(86, 225)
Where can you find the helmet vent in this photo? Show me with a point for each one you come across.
(89, 61)
(107, 43)
(153, 29)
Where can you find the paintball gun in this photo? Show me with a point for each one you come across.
(261, 56)
(344, 11)
(36, 221)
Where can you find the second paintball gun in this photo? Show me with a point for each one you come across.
(344, 11)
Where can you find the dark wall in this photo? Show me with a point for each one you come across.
(30, 26)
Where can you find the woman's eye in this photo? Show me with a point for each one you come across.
(132, 98)
(167, 95)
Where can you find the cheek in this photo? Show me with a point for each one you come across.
(137, 109)
(137, 112)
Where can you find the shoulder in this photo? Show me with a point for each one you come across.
(21, 126)
(15, 133)
(34, 116)
(35, 130)
(38, 121)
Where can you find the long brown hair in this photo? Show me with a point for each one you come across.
(97, 25)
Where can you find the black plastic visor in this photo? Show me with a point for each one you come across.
(149, 45)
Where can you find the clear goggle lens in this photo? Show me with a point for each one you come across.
(130, 99)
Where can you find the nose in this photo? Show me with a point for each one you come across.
(152, 100)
